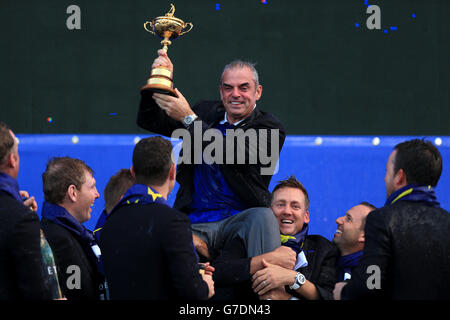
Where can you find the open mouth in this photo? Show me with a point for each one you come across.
(287, 221)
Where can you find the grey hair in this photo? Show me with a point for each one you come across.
(241, 64)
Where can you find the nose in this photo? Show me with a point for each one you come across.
(287, 210)
(235, 92)
(340, 220)
(97, 195)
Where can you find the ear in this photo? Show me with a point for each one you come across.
(11, 160)
(307, 216)
(258, 92)
(400, 179)
(132, 172)
(173, 172)
(362, 237)
(220, 91)
(72, 193)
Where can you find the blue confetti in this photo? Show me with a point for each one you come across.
(356, 24)
(414, 15)
(393, 28)
(385, 31)
(113, 114)
(217, 6)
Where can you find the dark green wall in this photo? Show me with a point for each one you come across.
(320, 73)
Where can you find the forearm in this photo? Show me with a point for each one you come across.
(308, 291)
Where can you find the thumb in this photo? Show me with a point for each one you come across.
(162, 52)
(265, 263)
(179, 94)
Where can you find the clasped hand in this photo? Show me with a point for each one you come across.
(272, 277)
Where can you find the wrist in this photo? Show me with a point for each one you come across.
(299, 280)
(189, 118)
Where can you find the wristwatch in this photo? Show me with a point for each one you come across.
(299, 281)
(189, 119)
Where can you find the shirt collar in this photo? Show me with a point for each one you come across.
(236, 123)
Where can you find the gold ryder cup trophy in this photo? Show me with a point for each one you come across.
(166, 27)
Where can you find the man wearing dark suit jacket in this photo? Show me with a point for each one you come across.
(70, 192)
(226, 193)
(147, 246)
(407, 242)
(21, 275)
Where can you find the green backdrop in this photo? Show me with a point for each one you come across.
(322, 70)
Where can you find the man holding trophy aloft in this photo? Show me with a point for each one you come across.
(227, 200)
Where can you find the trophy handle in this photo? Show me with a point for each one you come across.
(151, 25)
(185, 26)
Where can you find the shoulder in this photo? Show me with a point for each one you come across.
(13, 213)
(11, 207)
(54, 232)
(152, 212)
(209, 110)
(406, 213)
(319, 243)
(268, 118)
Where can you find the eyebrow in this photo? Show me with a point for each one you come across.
(240, 85)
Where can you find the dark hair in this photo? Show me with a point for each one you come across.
(420, 160)
(152, 159)
(6, 142)
(370, 206)
(60, 174)
(292, 182)
(116, 187)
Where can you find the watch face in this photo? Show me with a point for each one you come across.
(301, 278)
(188, 120)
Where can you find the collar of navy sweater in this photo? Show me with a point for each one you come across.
(10, 186)
(416, 193)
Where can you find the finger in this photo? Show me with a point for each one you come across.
(163, 97)
(24, 193)
(28, 202)
(162, 52)
(164, 55)
(265, 263)
(261, 288)
(179, 95)
(259, 283)
(265, 289)
(256, 276)
(161, 103)
(31, 202)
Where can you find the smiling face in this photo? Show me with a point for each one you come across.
(239, 93)
(85, 198)
(349, 236)
(289, 207)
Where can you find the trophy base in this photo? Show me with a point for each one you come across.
(150, 88)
